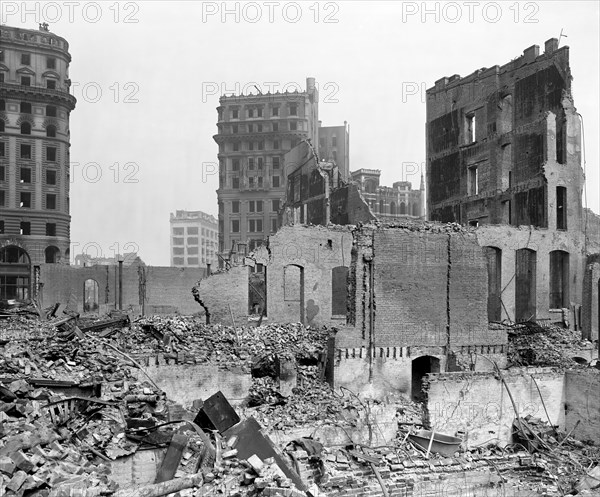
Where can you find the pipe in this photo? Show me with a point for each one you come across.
(120, 285)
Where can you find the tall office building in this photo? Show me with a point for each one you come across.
(35, 106)
(254, 133)
(194, 236)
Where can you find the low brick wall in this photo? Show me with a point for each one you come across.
(185, 382)
(582, 404)
(478, 404)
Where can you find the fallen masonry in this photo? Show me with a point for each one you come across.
(123, 407)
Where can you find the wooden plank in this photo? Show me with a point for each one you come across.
(365, 457)
(172, 458)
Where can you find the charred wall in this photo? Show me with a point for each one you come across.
(489, 143)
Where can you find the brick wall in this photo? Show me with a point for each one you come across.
(411, 274)
(184, 382)
(467, 293)
(509, 239)
(389, 371)
(430, 289)
(582, 403)
(590, 312)
(314, 252)
(478, 404)
(167, 289)
(226, 293)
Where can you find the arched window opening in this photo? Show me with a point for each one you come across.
(52, 255)
(15, 273)
(25, 128)
(90, 295)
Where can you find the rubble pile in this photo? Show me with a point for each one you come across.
(311, 400)
(70, 407)
(562, 461)
(217, 343)
(35, 454)
(425, 226)
(533, 345)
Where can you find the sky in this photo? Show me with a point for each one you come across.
(147, 76)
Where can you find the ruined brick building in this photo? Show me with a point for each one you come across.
(504, 153)
(504, 160)
(35, 106)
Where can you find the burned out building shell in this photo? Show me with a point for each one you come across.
(504, 153)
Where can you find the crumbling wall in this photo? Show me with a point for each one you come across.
(300, 274)
(592, 231)
(411, 276)
(509, 239)
(185, 383)
(225, 294)
(430, 287)
(161, 290)
(168, 289)
(386, 373)
(582, 404)
(478, 404)
(349, 207)
(500, 141)
(590, 311)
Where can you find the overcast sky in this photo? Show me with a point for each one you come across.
(148, 75)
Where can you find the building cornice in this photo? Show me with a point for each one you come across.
(37, 93)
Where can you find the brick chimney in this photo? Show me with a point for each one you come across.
(551, 46)
(530, 54)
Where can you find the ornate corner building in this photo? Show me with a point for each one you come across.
(254, 133)
(390, 203)
(35, 105)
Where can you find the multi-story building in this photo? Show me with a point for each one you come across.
(504, 153)
(35, 106)
(194, 239)
(334, 146)
(254, 133)
(389, 203)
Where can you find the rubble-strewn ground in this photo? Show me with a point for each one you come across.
(533, 345)
(53, 447)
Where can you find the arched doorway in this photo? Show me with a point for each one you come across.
(422, 366)
(90, 295)
(15, 273)
(293, 292)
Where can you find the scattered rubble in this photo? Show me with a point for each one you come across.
(533, 345)
(70, 406)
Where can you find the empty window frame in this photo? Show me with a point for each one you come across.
(561, 208)
(473, 181)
